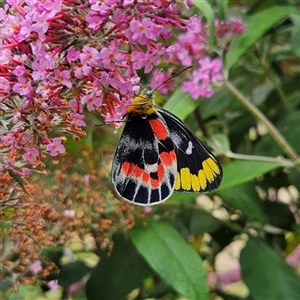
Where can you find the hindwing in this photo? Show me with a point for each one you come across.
(197, 168)
(145, 165)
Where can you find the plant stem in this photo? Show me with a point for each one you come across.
(282, 161)
(288, 149)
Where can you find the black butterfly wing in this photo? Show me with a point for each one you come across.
(197, 168)
(144, 166)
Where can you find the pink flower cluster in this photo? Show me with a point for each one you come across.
(192, 48)
(60, 57)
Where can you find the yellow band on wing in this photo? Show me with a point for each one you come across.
(187, 181)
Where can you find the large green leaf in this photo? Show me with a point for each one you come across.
(266, 274)
(244, 198)
(172, 259)
(117, 275)
(181, 104)
(258, 24)
(240, 171)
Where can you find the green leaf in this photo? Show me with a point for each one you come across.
(261, 92)
(6, 283)
(201, 223)
(266, 274)
(54, 254)
(244, 198)
(240, 171)
(257, 25)
(24, 292)
(181, 104)
(206, 9)
(193, 223)
(219, 101)
(295, 37)
(72, 272)
(219, 143)
(279, 215)
(222, 9)
(172, 259)
(117, 275)
(19, 180)
(7, 213)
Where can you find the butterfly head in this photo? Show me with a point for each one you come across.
(143, 104)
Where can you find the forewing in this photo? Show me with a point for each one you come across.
(144, 166)
(197, 168)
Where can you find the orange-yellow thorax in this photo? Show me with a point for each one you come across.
(143, 104)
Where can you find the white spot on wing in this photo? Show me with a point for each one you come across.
(176, 138)
(151, 168)
(189, 149)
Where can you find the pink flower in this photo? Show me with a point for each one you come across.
(237, 26)
(69, 213)
(293, 259)
(4, 85)
(30, 155)
(8, 140)
(19, 70)
(72, 55)
(94, 20)
(53, 285)
(36, 267)
(40, 24)
(86, 178)
(55, 147)
(92, 100)
(63, 77)
(147, 209)
(76, 106)
(137, 31)
(224, 278)
(77, 119)
(23, 87)
(16, 117)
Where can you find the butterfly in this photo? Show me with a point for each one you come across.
(158, 154)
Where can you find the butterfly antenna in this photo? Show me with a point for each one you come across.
(170, 78)
(157, 81)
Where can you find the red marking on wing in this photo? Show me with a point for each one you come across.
(138, 172)
(130, 169)
(168, 158)
(154, 183)
(159, 129)
(126, 168)
(160, 172)
(145, 177)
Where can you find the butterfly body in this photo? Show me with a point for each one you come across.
(157, 154)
